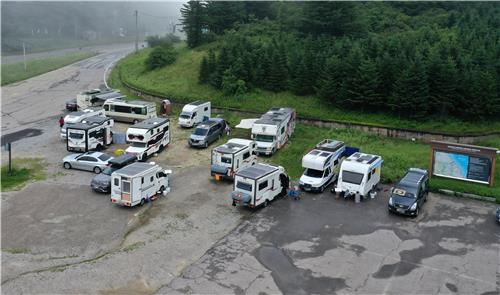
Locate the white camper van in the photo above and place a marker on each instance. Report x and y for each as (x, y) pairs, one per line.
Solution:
(129, 111)
(92, 133)
(258, 185)
(273, 129)
(359, 174)
(148, 137)
(194, 113)
(232, 156)
(139, 182)
(321, 165)
(78, 117)
(96, 97)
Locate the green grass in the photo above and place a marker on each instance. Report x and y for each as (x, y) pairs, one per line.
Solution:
(15, 72)
(23, 170)
(180, 82)
(398, 156)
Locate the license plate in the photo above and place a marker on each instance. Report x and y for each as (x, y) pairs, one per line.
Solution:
(400, 210)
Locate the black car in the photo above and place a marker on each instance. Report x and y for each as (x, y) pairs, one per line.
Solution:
(102, 181)
(71, 105)
(207, 132)
(498, 215)
(410, 193)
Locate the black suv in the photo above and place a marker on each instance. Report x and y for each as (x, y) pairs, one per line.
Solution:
(207, 132)
(410, 193)
(102, 181)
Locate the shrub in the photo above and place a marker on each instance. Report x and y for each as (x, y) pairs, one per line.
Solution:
(166, 40)
(159, 57)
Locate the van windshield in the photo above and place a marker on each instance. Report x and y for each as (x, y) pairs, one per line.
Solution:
(200, 131)
(108, 171)
(313, 173)
(75, 135)
(185, 115)
(139, 144)
(244, 186)
(264, 138)
(352, 177)
(402, 192)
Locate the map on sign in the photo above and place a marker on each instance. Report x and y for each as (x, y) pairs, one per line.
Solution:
(449, 164)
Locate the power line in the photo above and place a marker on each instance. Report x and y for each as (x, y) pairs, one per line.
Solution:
(163, 17)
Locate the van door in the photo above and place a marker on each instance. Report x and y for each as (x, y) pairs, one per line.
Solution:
(264, 190)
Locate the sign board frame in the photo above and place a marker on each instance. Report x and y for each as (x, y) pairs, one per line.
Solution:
(479, 160)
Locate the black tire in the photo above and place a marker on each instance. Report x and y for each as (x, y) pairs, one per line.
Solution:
(99, 147)
(97, 170)
(274, 150)
(161, 148)
(67, 165)
(162, 189)
(266, 203)
(142, 202)
(206, 144)
(322, 189)
(417, 211)
(144, 157)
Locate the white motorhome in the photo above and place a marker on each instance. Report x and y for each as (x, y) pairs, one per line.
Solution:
(148, 137)
(359, 174)
(96, 97)
(259, 185)
(194, 113)
(229, 158)
(138, 183)
(273, 129)
(93, 133)
(77, 117)
(129, 111)
(321, 165)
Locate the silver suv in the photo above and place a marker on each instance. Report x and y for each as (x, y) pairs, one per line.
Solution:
(207, 132)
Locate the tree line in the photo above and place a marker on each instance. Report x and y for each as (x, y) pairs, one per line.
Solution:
(414, 60)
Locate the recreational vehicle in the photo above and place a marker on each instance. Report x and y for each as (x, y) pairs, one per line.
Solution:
(194, 113)
(78, 117)
(359, 174)
(95, 97)
(148, 137)
(321, 165)
(139, 182)
(129, 111)
(229, 158)
(273, 129)
(259, 185)
(92, 133)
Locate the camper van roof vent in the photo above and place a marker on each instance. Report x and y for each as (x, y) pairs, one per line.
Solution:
(324, 154)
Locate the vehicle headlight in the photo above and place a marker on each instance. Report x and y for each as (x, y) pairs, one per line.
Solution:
(414, 206)
(390, 201)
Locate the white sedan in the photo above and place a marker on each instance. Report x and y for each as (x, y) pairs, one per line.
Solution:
(91, 161)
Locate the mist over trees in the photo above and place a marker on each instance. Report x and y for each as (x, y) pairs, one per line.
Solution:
(33, 21)
(414, 59)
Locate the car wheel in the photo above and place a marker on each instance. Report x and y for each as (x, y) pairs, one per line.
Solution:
(67, 165)
(161, 148)
(266, 203)
(97, 170)
(99, 147)
(274, 150)
(417, 211)
(206, 144)
(162, 189)
(144, 157)
(322, 189)
(142, 202)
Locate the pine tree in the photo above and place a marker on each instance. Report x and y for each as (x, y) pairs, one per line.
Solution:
(365, 94)
(193, 22)
(331, 79)
(204, 75)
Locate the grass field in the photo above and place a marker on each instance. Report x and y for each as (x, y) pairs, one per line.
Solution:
(15, 72)
(180, 82)
(23, 170)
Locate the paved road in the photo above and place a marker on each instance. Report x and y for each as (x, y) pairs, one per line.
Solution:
(325, 245)
(28, 103)
(9, 59)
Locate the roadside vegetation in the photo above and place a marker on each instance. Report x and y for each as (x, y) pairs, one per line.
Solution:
(23, 171)
(15, 72)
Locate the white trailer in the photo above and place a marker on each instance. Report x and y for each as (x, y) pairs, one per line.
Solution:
(359, 174)
(129, 111)
(148, 137)
(78, 117)
(259, 185)
(321, 165)
(94, 97)
(273, 129)
(93, 133)
(194, 113)
(138, 183)
(229, 158)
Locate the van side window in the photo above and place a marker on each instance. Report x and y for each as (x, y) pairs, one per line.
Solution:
(262, 185)
(283, 130)
(206, 109)
(142, 180)
(246, 155)
(151, 179)
(194, 115)
(165, 129)
(116, 181)
(369, 175)
(106, 107)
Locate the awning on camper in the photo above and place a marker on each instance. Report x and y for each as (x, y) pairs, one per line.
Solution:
(106, 96)
(246, 123)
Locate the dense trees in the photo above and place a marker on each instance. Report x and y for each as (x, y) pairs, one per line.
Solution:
(413, 60)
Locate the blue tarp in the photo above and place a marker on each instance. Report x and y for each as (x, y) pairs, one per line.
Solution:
(119, 138)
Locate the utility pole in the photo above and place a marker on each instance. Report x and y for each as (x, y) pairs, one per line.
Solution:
(136, 33)
(24, 56)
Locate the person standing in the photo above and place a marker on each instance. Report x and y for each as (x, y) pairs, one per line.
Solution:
(61, 122)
